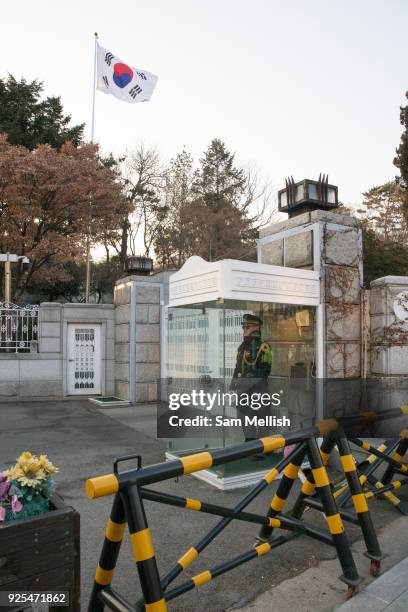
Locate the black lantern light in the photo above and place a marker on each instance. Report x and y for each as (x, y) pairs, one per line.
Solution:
(307, 195)
(136, 264)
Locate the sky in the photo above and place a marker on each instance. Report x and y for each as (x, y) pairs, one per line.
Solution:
(293, 87)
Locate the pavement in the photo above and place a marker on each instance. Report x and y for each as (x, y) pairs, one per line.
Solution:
(83, 440)
(318, 589)
(389, 592)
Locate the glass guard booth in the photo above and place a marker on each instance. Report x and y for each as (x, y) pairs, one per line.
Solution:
(207, 307)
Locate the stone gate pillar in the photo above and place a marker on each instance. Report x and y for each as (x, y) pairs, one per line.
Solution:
(139, 335)
(389, 326)
(332, 244)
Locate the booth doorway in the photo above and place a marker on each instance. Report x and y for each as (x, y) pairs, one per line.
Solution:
(84, 359)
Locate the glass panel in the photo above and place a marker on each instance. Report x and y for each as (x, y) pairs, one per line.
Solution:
(195, 359)
(312, 191)
(204, 344)
(331, 197)
(300, 192)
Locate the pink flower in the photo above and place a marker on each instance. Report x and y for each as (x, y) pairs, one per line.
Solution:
(16, 505)
(2, 514)
(3, 477)
(288, 449)
(4, 488)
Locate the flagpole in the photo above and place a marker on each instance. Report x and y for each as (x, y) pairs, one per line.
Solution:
(88, 237)
(94, 89)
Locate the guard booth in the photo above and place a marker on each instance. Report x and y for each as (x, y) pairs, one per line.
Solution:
(207, 303)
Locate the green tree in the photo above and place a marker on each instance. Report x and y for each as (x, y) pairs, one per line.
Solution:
(385, 212)
(218, 181)
(103, 277)
(62, 281)
(176, 240)
(224, 194)
(29, 120)
(382, 259)
(401, 159)
(385, 245)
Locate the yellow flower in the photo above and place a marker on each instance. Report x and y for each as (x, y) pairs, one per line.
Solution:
(13, 473)
(26, 456)
(31, 470)
(46, 465)
(32, 478)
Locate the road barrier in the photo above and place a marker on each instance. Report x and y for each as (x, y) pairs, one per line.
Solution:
(129, 489)
(391, 453)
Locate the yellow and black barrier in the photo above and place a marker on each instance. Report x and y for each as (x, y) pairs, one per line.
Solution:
(391, 453)
(130, 488)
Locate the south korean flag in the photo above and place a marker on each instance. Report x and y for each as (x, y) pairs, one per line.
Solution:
(121, 80)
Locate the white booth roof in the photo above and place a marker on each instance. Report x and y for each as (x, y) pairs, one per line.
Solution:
(203, 281)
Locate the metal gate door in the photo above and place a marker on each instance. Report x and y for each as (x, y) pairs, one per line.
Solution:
(84, 359)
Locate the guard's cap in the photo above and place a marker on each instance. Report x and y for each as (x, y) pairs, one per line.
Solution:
(250, 318)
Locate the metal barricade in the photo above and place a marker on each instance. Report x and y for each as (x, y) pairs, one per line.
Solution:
(130, 488)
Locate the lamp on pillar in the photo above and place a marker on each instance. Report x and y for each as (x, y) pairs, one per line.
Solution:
(307, 195)
(136, 264)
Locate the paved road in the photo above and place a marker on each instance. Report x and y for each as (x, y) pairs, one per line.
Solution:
(83, 442)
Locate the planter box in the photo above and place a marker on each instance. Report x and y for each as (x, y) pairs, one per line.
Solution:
(42, 553)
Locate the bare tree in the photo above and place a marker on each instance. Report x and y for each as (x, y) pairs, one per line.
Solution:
(143, 182)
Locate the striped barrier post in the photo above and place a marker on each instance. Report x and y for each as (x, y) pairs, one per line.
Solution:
(360, 505)
(333, 518)
(109, 555)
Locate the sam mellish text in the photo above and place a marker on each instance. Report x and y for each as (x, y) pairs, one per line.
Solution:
(222, 421)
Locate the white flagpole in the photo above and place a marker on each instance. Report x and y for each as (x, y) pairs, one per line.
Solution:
(88, 238)
(94, 89)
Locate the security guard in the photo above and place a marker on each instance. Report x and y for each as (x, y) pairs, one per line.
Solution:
(254, 361)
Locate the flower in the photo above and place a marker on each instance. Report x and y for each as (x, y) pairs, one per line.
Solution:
(28, 471)
(13, 473)
(16, 505)
(47, 466)
(26, 456)
(28, 480)
(32, 476)
(4, 489)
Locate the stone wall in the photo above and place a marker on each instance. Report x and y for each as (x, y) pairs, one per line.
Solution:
(389, 326)
(330, 243)
(42, 375)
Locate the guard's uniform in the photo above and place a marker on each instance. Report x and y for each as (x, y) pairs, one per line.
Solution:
(254, 359)
(253, 366)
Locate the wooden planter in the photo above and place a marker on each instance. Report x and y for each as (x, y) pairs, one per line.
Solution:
(42, 553)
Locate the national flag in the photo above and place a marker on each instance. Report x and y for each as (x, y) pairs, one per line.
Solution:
(121, 80)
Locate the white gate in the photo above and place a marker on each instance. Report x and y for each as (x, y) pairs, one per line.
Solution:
(84, 359)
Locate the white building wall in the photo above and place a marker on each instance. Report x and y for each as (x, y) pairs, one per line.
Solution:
(42, 376)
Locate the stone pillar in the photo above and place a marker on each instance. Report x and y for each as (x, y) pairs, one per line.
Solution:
(139, 301)
(389, 326)
(50, 327)
(122, 337)
(332, 244)
(147, 342)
